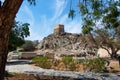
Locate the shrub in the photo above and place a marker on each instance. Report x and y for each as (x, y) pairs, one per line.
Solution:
(9, 74)
(43, 62)
(80, 61)
(67, 60)
(69, 63)
(28, 46)
(95, 65)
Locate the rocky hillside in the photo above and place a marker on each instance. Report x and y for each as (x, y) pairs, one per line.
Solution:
(66, 42)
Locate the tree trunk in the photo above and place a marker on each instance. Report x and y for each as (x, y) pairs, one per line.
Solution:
(114, 55)
(8, 12)
(3, 52)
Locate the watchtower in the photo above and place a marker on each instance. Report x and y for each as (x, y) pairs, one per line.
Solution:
(59, 29)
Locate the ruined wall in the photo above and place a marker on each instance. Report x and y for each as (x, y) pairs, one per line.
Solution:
(59, 29)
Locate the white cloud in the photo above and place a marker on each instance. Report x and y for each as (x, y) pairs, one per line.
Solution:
(73, 27)
(63, 19)
(41, 29)
(30, 15)
(25, 15)
(34, 36)
(59, 7)
(29, 18)
(45, 23)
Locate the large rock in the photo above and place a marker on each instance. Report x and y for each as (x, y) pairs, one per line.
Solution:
(66, 43)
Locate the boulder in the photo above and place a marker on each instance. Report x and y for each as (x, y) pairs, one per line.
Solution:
(67, 43)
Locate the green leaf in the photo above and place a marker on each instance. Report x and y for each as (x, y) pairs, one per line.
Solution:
(71, 14)
(18, 33)
(83, 9)
(32, 2)
(86, 29)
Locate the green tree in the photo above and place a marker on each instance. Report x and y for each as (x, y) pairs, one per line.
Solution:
(101, 20)
(18, 33)
(8, 11)
(28, 46)
(35, 42)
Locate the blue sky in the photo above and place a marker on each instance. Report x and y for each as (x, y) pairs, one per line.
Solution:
(45, 15)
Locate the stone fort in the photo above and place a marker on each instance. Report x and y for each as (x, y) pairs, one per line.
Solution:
(59, 29)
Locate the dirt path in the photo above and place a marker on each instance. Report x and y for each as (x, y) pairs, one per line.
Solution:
(22, 66)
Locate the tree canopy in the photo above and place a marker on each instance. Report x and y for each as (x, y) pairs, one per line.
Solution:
(18, 33)
(101, 19)
(107, 12)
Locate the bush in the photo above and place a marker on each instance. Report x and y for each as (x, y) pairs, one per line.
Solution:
(67, 60)
(9, 74)
(95, 65)
(43, 62)
(80, 61)
(28, 46)
(69, 63)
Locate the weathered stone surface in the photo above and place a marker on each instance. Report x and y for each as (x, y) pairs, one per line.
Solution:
(24, 67)
(59, 29)
(66, 43)
(28, 55)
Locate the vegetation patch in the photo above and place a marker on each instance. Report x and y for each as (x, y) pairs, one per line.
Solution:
(69, 64)
(10, 74)
(43, 62)
(95, 65)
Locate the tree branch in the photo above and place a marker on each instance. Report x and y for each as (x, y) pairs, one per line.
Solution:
(106, 49)
(117, 50)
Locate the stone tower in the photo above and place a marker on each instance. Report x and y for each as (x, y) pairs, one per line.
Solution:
(59, 29)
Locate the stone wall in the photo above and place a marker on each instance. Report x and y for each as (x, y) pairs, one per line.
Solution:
(28, 55)
(59, 29)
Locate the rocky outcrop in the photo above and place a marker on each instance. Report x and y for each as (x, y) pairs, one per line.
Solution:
(55, 41)
(66, 42)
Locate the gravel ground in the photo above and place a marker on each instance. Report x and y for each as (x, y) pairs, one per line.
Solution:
(22, 66)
